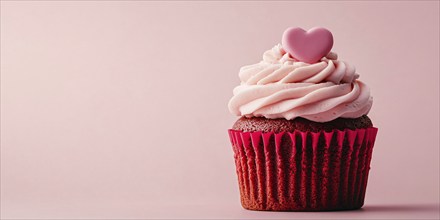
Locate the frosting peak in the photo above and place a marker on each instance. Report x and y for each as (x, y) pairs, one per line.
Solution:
(278, 67)
(282, 87)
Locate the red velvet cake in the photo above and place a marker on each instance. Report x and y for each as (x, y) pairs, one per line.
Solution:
(304, 141)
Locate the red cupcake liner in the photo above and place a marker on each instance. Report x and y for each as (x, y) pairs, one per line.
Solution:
(303, 171)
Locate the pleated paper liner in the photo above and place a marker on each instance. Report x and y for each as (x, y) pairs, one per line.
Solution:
(303, 171)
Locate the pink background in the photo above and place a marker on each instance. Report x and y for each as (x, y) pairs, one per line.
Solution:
(119, 109)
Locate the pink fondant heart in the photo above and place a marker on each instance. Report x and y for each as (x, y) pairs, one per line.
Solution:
(307, 46)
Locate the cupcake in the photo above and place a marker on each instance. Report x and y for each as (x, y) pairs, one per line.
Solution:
(303, 141)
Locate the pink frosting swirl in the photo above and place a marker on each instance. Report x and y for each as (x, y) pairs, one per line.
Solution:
(281, 87)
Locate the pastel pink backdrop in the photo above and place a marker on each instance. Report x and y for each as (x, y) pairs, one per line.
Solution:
(119, 109)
